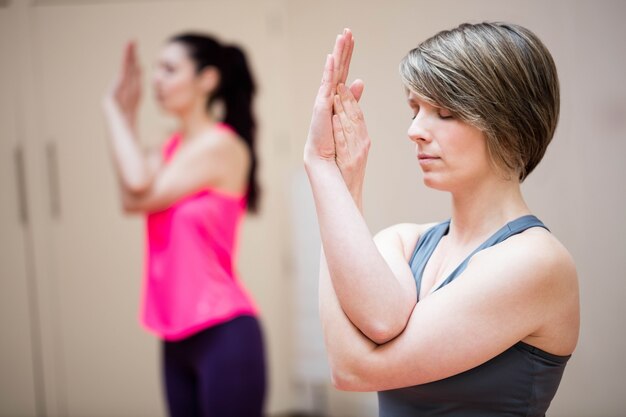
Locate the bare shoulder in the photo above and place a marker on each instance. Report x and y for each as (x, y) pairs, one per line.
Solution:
(224, 144)
(405, 235)
(537, 275)
(217, 158)
(538, 252)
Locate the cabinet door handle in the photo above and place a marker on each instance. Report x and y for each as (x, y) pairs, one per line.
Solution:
(20, 176)
(54, 188)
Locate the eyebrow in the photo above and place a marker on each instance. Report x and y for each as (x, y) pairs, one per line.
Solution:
(164, 61)
(412, 101)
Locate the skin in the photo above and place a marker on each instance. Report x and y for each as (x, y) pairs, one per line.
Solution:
(378, 334)
(207, 157)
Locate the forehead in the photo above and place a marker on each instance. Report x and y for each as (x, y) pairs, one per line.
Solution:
(174, 52)
(411, 96)
(416, 99)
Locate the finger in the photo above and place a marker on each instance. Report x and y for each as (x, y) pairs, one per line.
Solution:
(134, 82)
(341, 147)
(132, 69)
(337, 54)
(135, 67)
(350, 107)
(131, 52)
(136, 70)
(337, 105)
(356, 88)
(128, 59)
(326, 88)
(346, 123)
(352, 117)
(349, 104)
(133, 56)
(344, 52)
(346, 56)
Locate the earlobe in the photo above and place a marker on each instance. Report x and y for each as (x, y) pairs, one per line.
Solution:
(209, 79)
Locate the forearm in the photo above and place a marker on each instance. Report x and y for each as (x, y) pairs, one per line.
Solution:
(356, 191)
(346, 346)
(367, 290)
(129, 160)
(134, 203)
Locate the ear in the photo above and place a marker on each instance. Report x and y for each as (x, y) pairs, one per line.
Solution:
(209, 79)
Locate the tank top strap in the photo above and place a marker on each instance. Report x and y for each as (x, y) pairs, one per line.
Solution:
(424, 248)
(512, 228)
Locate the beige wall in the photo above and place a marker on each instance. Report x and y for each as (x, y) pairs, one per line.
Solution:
(576, 189)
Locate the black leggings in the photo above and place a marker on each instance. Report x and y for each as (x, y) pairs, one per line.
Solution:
(219, 372)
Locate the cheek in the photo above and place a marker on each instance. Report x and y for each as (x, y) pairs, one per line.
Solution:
(466, 146)
(476, 153)
(173, 86)
(179, 90)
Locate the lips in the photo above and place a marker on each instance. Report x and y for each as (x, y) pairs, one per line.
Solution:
(426, 157)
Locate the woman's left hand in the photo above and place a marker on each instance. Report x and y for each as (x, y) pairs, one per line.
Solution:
(352, 142)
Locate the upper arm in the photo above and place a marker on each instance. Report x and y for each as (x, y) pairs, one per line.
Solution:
(202, 164)
(154, 161)
(506, 293)
(396, 245)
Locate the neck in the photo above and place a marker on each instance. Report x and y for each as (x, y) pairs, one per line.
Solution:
(194, 122)
(480, 210)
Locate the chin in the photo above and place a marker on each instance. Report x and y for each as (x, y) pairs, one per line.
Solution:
(170, 110)
(433, 182)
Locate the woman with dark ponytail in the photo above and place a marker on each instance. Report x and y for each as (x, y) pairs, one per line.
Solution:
(194, 192)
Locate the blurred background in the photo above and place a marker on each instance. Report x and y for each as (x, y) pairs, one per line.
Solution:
(71, 261)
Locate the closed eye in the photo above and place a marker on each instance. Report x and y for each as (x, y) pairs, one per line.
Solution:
(445, 114)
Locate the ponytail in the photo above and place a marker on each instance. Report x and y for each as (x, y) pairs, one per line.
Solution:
(236, 91)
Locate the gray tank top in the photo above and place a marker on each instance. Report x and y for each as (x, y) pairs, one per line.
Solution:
(521, 381)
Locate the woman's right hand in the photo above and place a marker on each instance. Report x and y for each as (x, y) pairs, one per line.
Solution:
(125, 93)
(320, 145)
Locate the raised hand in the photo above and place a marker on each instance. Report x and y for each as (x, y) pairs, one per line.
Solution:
(342, 60)
(352, 142)
(126, 90)
(320, 144)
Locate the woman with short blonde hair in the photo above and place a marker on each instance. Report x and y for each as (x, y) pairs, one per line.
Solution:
(473, 316)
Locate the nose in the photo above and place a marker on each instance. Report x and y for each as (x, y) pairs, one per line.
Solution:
(156, 79)
(158, 76)
(418, 131)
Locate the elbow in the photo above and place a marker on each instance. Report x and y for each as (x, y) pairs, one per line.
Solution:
(381, 325)
(339, 382)
(344, 379)
(351, 371)
(136, 186)
(383, 332)
(133, 194)
(381, 335)
(130, 204)
(355, 377)
(129, 209)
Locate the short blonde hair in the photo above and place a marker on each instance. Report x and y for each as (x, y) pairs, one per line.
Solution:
(498, 77)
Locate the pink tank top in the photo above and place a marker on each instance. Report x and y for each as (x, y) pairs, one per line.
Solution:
(190, 278)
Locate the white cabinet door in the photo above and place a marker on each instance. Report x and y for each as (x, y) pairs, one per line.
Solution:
(18, 331)
(108, 366)
(105, 365)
